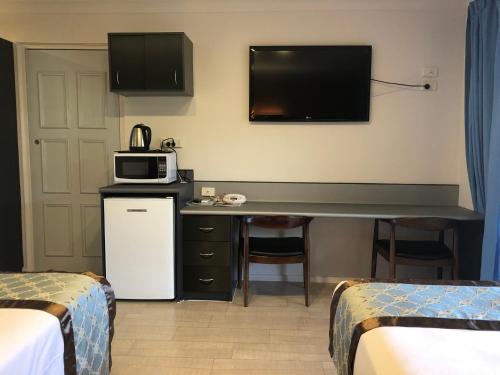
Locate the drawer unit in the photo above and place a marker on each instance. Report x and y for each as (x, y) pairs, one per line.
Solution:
(210, 256)
(207, 228)
(207, 279)
(204, 253)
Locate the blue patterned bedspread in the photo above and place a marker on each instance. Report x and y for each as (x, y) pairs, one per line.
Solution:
(362, 305)
(86, 301)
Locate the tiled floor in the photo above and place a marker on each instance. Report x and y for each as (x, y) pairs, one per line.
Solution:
(276, 334)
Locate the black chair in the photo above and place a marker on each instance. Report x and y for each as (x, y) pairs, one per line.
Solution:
(274, 250)
(417, 253)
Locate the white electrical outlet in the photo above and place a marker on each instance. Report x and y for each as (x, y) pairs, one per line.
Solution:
(433, 83)
(207, 191)
(178, 143)
(430, 72)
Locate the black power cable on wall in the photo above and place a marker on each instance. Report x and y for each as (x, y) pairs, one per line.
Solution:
(426, 86)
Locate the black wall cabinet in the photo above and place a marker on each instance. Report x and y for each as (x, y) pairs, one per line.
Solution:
(11, 253)
(142, 64)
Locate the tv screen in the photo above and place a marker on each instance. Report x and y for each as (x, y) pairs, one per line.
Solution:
(310, 83)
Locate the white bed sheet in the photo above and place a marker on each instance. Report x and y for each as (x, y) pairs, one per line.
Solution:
(429, 351)
(31, 342)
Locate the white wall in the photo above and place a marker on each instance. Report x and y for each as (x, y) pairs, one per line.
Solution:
(413, 136)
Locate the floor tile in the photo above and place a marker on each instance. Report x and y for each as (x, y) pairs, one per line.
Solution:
(277, 334)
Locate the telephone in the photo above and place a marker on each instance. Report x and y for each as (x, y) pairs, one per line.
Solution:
(234, 199)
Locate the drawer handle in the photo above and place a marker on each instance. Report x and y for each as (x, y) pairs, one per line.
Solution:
(206, 230)
(206, 281)
(207, 255)
(137, 210)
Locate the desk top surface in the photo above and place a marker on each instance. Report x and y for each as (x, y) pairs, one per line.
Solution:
(341, 210)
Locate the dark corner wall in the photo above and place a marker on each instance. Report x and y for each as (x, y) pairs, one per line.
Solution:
(11, 254)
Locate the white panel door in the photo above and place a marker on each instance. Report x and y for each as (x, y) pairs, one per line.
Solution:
(139, 235)
(74, 128)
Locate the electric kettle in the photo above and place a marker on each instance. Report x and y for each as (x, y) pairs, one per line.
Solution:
(140, 138)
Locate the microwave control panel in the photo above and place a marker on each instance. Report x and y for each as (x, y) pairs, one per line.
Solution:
(162, 167)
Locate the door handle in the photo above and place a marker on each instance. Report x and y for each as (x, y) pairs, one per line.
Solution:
(207, 255)
(175, 76)
(206, 281)
(206, 230)
(137, 210)
(118, 77)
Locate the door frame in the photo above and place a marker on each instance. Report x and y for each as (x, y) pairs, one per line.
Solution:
(23, 137)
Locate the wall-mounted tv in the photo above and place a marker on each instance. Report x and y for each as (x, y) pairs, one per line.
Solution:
(310, 83)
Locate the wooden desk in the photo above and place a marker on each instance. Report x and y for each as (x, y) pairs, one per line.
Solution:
(470, 223)
(336, 210)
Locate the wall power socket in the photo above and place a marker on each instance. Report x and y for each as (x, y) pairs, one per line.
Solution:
(177, 142)
(207, 191)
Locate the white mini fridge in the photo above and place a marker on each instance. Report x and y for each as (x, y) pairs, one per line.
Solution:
(139, 245)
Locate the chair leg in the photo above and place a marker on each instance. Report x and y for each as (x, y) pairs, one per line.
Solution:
(304, 272)
(240, 270)
(306, 281)
(374, 250)
(456, 268)
(440, 273)
(246, 278)
(246, 262)
(392, 252)
(392, 269)
(374, 262)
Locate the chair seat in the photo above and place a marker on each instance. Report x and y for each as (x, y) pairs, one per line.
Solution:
(276, 247)
(421, 250)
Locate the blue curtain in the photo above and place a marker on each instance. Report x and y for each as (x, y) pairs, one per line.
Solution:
(482, 123)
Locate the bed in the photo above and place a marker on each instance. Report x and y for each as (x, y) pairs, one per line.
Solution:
(413, 327)
(55, 323)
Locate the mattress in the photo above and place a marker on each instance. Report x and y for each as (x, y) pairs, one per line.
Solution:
(30, 343)
(412, 327)
(427, 351)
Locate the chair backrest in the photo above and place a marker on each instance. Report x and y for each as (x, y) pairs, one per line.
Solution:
(425, 223)
(278, 222)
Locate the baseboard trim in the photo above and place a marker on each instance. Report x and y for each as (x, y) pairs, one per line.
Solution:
(297, 278)
(328, 279)
(271, 277)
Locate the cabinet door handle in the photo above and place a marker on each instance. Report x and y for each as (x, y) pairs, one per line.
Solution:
(207, 255)
(206, 230)
(206, 281)
(175, 76)
(118, 78)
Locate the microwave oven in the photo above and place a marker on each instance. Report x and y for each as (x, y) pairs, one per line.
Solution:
(145, 168)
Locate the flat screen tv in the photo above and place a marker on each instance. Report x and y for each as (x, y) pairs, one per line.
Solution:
(310, 83)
